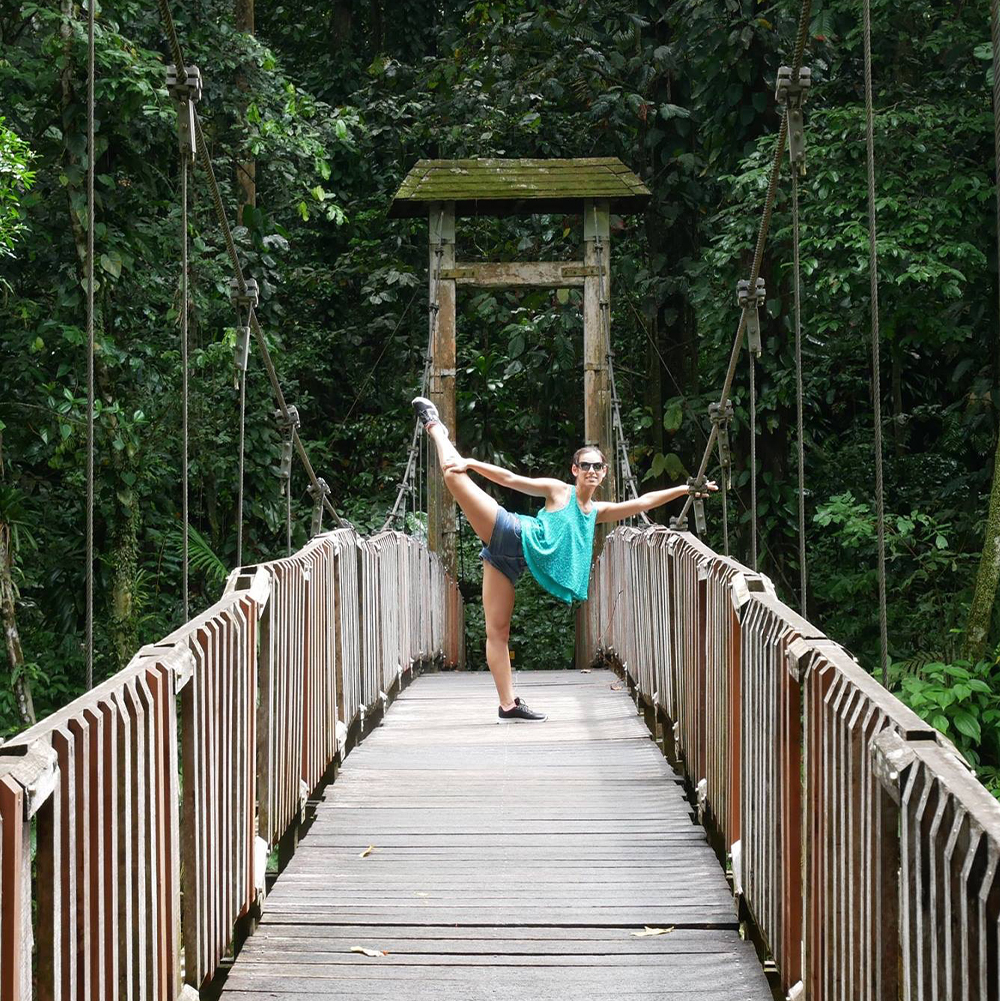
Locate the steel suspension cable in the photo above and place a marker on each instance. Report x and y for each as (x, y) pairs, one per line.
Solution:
(220, 213)
(725, 514)
(434, 309)
(91, 401)
(875, 346)
(697, 424)
(184, 382)
(995, 38)
(617, 427)
(242, 466)
(753, 462)
(288, 515)
(799, 403)
(762, 233)
(259, 339)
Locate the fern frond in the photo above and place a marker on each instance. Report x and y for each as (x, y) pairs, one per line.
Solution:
(201, 556)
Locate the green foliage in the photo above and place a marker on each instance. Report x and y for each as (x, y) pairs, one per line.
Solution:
(16, 178)
(962, 700)
(925, 574)
(335, 105)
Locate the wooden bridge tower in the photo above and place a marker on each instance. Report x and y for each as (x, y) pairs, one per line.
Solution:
(444, 190)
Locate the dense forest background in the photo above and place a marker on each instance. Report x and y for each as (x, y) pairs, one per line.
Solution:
(326, 106)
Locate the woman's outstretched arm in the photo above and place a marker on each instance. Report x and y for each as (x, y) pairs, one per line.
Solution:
(534, 486)
(607, 512)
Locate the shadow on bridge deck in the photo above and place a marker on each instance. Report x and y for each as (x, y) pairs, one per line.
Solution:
(508, 862)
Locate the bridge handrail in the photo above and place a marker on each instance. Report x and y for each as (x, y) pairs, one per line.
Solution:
(862, 846)
(153, 826)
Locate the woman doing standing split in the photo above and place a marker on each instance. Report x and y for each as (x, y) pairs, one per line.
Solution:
(556, 546)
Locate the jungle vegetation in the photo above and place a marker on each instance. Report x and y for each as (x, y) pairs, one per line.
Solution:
(315, 111)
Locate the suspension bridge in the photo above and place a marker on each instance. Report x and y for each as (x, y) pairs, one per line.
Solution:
(287, 796)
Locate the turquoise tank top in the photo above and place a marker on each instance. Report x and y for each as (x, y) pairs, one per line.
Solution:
(558, 546)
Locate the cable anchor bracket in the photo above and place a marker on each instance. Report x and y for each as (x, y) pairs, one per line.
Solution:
(185, 94)
(722, 420)
(698, 492)
(244, 301)
(319, 491)
(287, 426)
(793, 94)
(751, 305)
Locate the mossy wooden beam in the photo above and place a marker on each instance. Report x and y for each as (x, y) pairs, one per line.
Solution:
(504, 187)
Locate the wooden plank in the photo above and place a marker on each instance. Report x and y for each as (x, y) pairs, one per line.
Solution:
(15, 893)
(539, 274)
(540, 848)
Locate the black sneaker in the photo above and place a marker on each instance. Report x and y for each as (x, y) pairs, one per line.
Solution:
(520, 714)
(427, 413)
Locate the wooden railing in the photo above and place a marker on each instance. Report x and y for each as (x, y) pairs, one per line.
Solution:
(136, 823)
(863, 848)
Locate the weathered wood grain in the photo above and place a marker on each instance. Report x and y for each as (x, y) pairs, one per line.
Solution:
(509, 861)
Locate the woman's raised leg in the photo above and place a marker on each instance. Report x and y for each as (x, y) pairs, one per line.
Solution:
(498, 603)
(477, 505)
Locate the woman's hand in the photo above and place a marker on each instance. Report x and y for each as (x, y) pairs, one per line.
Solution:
(456, 464)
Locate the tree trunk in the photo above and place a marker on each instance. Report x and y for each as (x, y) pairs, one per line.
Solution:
(341, 24)
(376, 19)
(981, 613)
(12, 638)
(246, 171)
(977, 633)
(898, 438)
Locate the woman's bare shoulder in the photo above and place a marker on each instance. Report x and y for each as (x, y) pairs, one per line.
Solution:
(560, 495)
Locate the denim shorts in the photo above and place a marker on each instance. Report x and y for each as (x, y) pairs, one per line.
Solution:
(504, 551)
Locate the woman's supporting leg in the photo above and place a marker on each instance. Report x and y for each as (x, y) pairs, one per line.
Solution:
(477, 505)
(498, 603)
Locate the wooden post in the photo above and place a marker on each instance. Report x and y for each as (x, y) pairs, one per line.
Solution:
(596, 383)
(441, 515)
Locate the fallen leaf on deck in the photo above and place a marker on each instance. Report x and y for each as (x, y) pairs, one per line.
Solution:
(647, 931)
(367, 851)
(585, 670)
(367, 952)
(617, 688)
(416, 894)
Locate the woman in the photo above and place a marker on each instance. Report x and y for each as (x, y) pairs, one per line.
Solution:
(556, 546)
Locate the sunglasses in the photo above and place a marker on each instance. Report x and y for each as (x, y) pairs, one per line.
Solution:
(596, 466)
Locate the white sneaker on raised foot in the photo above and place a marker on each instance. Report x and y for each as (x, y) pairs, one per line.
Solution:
(520, 713)
(427, 413)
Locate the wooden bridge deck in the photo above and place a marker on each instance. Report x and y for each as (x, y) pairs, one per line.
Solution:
(508, 862)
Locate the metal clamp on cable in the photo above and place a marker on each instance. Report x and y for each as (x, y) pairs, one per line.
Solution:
(696, 488)
(285, 463)
(679, 524)
(319, 491)
(186, 94)
(793, 95)
(751, 304)
(287, 426)
(244, 302)
(722, 419)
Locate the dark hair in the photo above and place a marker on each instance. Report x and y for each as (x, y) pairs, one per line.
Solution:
(588, 448)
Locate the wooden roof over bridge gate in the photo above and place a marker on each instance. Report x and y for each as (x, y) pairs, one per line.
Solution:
(492, 187)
